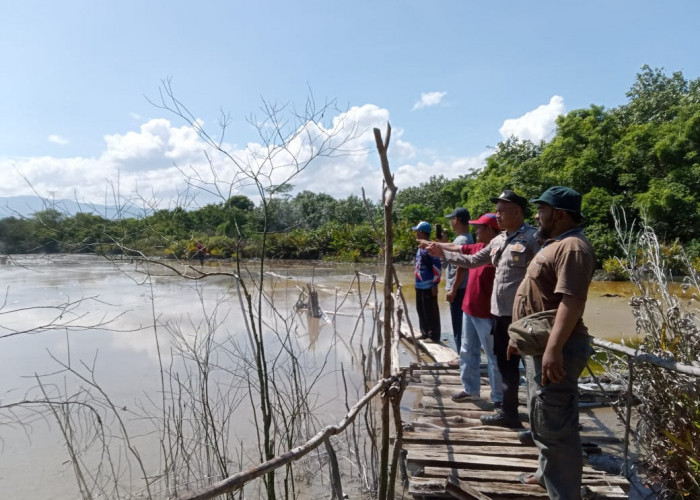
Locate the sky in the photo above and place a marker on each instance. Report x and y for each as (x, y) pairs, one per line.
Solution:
(81, 81)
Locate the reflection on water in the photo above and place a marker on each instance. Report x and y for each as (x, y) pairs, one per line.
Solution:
(168, 320)
(165, 321)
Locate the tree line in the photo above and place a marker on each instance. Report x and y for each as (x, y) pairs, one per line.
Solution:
(643, 156)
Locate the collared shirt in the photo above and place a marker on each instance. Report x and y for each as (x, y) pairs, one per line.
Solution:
(510, 255)
(565, 265)
(451, 269)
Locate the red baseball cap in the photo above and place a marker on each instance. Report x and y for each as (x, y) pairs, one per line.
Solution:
(486, 220)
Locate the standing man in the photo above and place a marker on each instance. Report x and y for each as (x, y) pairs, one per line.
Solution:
(427, 273)
(201, 252)
(455, 276)
(478, 322)
(509, 252)
(557, 278)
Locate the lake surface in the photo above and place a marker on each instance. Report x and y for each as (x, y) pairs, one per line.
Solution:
(125, 326)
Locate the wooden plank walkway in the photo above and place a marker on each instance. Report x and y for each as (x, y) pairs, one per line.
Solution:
(449, 454)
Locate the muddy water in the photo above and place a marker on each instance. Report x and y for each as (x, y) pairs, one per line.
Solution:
(119, 325)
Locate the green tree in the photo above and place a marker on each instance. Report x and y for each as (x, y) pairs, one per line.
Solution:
(671, 209)
(240, 202)
(654, 96)
(352, 210)
(513, 165)
(84, 232)
(430, 195)
(414, 213)
(48, 230)
(18, 235)
(579, 155)
(312, 210)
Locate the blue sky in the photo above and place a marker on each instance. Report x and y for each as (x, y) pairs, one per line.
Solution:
(453, 77)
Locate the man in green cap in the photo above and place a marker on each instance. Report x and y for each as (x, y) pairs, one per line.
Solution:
(557, 278)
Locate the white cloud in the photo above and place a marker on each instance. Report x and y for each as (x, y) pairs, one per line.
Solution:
(535, 125)
(429, 99)
(57, 139)
(414, 174)
(161, 161)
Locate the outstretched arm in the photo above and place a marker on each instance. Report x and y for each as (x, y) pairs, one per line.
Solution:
(435, 248)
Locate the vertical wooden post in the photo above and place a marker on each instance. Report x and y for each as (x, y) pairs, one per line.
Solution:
(388, 194)
(336, 485)
(628, 415)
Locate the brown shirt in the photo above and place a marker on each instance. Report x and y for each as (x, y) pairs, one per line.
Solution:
(565, 265)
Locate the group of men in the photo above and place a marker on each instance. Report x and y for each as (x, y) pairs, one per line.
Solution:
(516, 270)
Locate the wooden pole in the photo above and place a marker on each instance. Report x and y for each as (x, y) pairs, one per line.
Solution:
(388, 194)
(645, 357)
(628, 416)
(237, 481)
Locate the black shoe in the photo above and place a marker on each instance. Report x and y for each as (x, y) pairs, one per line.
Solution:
(462, 396)
(500, 419)
(525, 437)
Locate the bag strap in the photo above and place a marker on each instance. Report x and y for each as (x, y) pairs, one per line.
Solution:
(510, 238)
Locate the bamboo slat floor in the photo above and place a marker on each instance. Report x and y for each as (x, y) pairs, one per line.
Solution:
(449, 454)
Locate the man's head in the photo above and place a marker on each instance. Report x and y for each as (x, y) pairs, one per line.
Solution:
(459, 220)
(510, 209)
(558, 210)
(422, 230)
(486, 228)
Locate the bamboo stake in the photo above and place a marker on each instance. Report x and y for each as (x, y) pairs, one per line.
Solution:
(237, 481)
(336, 485)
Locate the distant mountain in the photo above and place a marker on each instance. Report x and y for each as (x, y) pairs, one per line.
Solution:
(26, 206)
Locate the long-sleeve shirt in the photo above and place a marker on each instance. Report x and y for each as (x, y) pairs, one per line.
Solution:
(427, 271)
(510, 254)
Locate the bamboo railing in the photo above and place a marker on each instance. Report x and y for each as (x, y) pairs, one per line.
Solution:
(237, 481)
(634, 356)
(391, 386)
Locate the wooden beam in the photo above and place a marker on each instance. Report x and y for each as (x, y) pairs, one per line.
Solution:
(466, 460)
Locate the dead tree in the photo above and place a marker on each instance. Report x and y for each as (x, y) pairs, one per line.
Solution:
(388, 193)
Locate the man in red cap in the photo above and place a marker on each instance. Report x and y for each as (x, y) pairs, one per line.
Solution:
(509, 252)
(477, 320)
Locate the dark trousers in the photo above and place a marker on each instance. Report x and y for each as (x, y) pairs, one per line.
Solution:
(428, 313)
(509, 368)
(456, 316)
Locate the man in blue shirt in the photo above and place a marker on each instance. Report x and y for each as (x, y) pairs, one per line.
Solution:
(427, 273)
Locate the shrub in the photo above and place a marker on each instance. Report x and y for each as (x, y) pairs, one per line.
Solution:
(668, 428)
(404, 242)
(604, 241)
(220, 247)
(615, 269)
